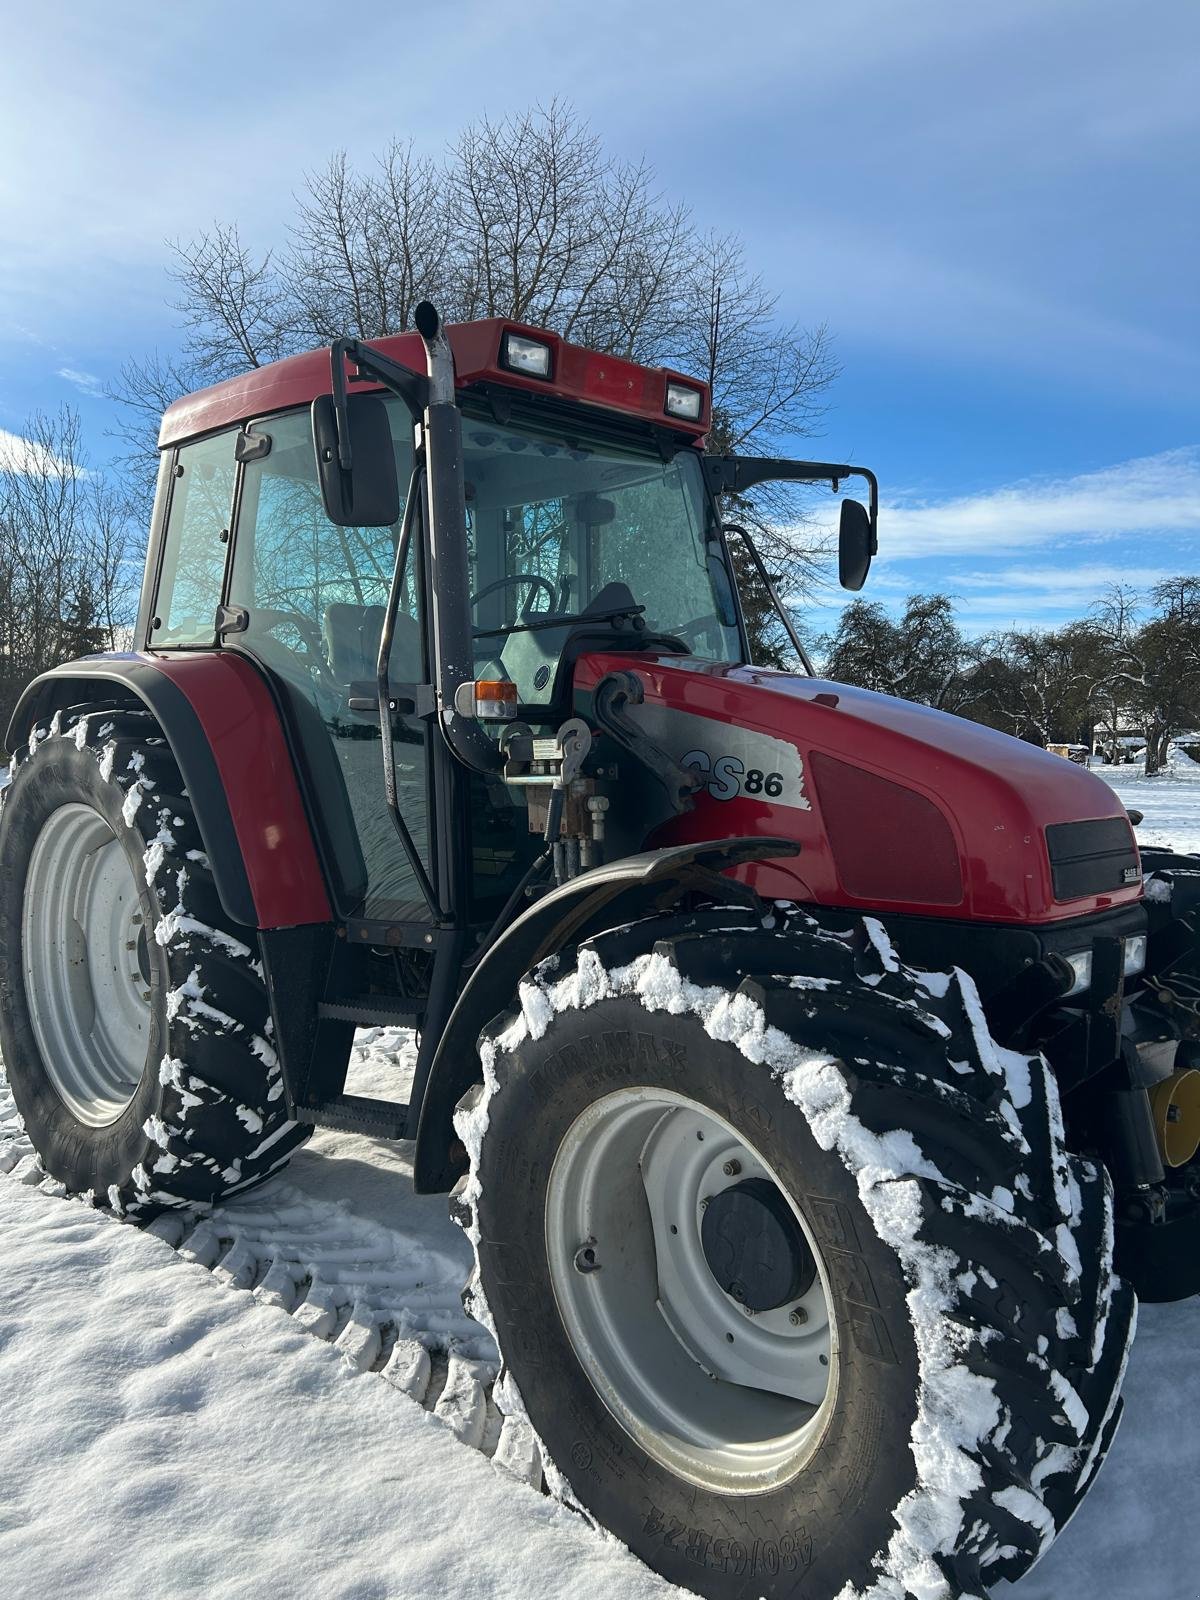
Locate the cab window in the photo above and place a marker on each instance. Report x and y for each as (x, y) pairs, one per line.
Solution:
(196, 543)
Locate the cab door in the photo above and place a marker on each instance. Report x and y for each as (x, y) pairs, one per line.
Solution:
(308, 600)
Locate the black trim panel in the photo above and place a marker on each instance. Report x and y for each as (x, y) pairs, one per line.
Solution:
(1091, 857)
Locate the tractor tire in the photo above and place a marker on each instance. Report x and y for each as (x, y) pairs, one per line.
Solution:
(134, 1020)
(696, 1118)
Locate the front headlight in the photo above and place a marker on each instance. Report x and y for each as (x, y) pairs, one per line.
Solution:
(1135, 955)
(1081, 963)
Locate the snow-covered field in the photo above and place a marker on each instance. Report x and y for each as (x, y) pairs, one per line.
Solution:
(286, 1396)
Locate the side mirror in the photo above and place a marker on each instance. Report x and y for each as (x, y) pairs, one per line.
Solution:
(856, 539)
(368, 494)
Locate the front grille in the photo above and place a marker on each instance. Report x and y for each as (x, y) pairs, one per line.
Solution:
(1091, 857)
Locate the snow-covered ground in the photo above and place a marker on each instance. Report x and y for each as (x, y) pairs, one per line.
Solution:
(292, 1399)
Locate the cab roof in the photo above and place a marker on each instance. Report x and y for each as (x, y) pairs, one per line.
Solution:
(576, 374)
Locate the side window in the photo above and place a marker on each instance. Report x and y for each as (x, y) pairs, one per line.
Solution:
(197, 535)
(313, 589)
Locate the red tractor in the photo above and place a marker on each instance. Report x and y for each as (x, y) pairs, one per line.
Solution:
(819, 1059)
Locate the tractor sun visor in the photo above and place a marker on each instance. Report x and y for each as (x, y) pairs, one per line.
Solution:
(530, 357)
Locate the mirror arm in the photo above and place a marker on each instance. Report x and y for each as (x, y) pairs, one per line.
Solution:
(780, 608)
(411, 386)
(738, 474)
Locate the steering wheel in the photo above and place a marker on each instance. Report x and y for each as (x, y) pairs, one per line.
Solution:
(689, 632)
(535, 581)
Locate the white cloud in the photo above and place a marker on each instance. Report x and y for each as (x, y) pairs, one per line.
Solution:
(86, 382)
(1153, 495)
(31, 459)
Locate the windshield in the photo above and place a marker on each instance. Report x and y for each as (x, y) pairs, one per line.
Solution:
(559, 526)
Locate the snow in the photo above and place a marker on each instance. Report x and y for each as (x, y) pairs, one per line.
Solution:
(165, 1429)
(1169, 801)
(161, 1433)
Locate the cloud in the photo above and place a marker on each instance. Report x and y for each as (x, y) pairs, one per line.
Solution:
(32, 460)
(1152, 495)
(86, 382)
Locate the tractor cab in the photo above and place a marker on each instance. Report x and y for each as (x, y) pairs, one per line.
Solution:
(377, 572)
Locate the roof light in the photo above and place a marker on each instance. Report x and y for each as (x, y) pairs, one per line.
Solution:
(489, 699)
(684, 402)
(528, 356)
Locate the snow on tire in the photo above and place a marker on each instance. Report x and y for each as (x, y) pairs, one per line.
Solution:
(134, 1018)
(977, 1335)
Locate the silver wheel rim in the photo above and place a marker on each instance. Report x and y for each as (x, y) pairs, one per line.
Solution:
(731, 1402)
(83, 945)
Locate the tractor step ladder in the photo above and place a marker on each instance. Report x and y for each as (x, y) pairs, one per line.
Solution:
(371, 1011)
(355, 1113)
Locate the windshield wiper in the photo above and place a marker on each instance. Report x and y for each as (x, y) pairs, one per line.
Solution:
(561, 621)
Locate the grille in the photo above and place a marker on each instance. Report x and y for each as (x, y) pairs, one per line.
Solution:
(1091, 857)
(888, 842)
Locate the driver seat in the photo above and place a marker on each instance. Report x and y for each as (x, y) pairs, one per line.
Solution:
(351, 635)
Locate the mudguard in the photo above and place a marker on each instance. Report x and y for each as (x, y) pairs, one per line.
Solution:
(224, 730)
(602, 898)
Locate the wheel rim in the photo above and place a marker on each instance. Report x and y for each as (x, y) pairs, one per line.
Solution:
(730, 1401)
(86, 965)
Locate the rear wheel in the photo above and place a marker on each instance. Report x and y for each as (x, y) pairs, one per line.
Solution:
(788, 1264)
(134, 1019)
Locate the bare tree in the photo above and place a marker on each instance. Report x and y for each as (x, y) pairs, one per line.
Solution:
(66, 587)
(528, 218)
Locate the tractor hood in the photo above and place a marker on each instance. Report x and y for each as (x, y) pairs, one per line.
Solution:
(896, 807)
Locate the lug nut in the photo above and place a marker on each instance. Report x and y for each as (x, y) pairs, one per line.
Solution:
(732, 1168)
(798, 1317)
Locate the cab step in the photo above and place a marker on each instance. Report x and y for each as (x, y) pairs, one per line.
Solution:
(371, 1011)
(355, 1113)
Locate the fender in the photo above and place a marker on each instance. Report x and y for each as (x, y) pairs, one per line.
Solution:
(223, 728)
(605, 897)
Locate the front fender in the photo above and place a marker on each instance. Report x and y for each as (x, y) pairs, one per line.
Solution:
(219, 718)
(605, 897)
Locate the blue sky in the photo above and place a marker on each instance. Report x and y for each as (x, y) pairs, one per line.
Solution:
(996, 209)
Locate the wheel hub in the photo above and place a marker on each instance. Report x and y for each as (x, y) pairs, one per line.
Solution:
(732, 1397)
(755, 1248)
(87, 964)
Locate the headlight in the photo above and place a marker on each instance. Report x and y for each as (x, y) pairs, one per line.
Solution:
(529, 356)
(684, 402)
(1135, 955)
(1081, 963)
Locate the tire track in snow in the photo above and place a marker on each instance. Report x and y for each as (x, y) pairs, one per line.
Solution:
(388, 1300)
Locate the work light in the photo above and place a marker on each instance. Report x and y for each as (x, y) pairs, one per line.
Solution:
(684, 402)
(528, 356)
(1081, 963)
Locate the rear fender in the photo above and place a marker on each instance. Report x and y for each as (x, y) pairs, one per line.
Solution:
(605, 897)
(222, 725)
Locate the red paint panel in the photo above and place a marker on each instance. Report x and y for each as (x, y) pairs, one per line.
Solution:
(243, 729)
(578, 374)
(995, 794)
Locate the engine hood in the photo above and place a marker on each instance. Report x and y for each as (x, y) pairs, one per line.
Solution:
(895, 806)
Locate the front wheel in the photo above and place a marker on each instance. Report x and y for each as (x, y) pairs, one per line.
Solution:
(134, 1019)
(791, 1274)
